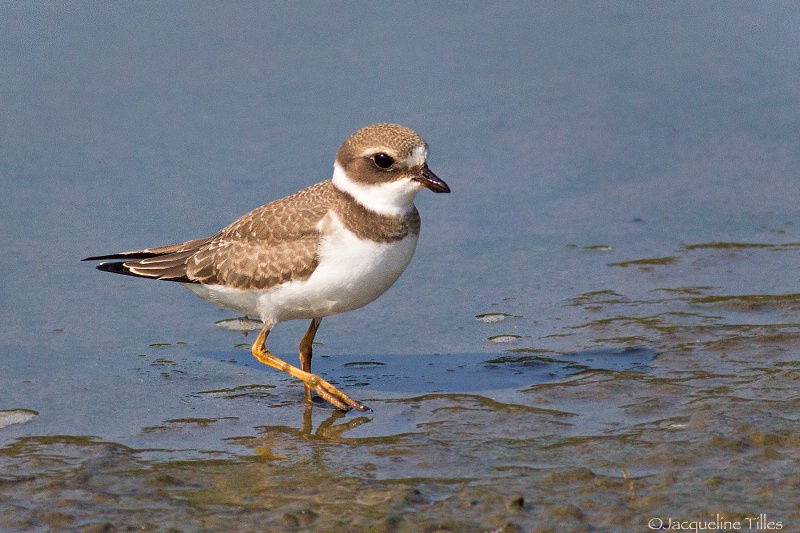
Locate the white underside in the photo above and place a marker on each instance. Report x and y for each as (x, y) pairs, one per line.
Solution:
(352, 273)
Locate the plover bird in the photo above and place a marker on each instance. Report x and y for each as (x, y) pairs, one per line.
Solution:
(327, 249)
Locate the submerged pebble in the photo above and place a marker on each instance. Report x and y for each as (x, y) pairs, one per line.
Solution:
(16, 416)
(242, 323)
(598, 248)
(492, 317)
(505, 339)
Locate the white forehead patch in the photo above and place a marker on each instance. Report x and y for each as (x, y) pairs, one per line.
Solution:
(418, 157)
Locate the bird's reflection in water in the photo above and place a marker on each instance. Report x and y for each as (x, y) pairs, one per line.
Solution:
(272, 441)
(328, 429)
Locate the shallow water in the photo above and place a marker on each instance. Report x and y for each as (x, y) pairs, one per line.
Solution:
(598, 332)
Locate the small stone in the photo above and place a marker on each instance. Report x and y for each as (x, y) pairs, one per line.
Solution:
(516, 503)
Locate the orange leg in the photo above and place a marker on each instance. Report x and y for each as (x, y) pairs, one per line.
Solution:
(327, 391)
(305, 352)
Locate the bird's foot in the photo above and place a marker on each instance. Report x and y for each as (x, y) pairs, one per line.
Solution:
(334, 396)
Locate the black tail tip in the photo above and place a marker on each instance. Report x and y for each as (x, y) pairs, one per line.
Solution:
(115, 268)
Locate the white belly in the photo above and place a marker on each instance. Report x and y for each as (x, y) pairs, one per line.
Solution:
(351, 273)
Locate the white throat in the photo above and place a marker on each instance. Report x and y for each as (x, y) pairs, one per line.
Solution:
(391, 198)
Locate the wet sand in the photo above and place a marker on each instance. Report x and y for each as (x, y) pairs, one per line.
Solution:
(692, 415)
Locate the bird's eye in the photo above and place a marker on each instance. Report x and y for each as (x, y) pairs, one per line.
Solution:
(383, 161)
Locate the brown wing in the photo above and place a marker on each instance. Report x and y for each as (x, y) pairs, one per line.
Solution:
(245, 264)
(274, 243)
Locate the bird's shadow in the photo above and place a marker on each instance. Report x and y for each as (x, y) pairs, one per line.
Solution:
(379, 379)
(391, 378)
(469, 373)
(449, 373)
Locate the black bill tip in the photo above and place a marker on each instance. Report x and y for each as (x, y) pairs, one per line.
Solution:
(431, 181)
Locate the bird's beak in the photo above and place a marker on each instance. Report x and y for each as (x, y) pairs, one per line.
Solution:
(430, 180)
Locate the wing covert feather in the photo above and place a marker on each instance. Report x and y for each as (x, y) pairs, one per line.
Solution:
(272, 244)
